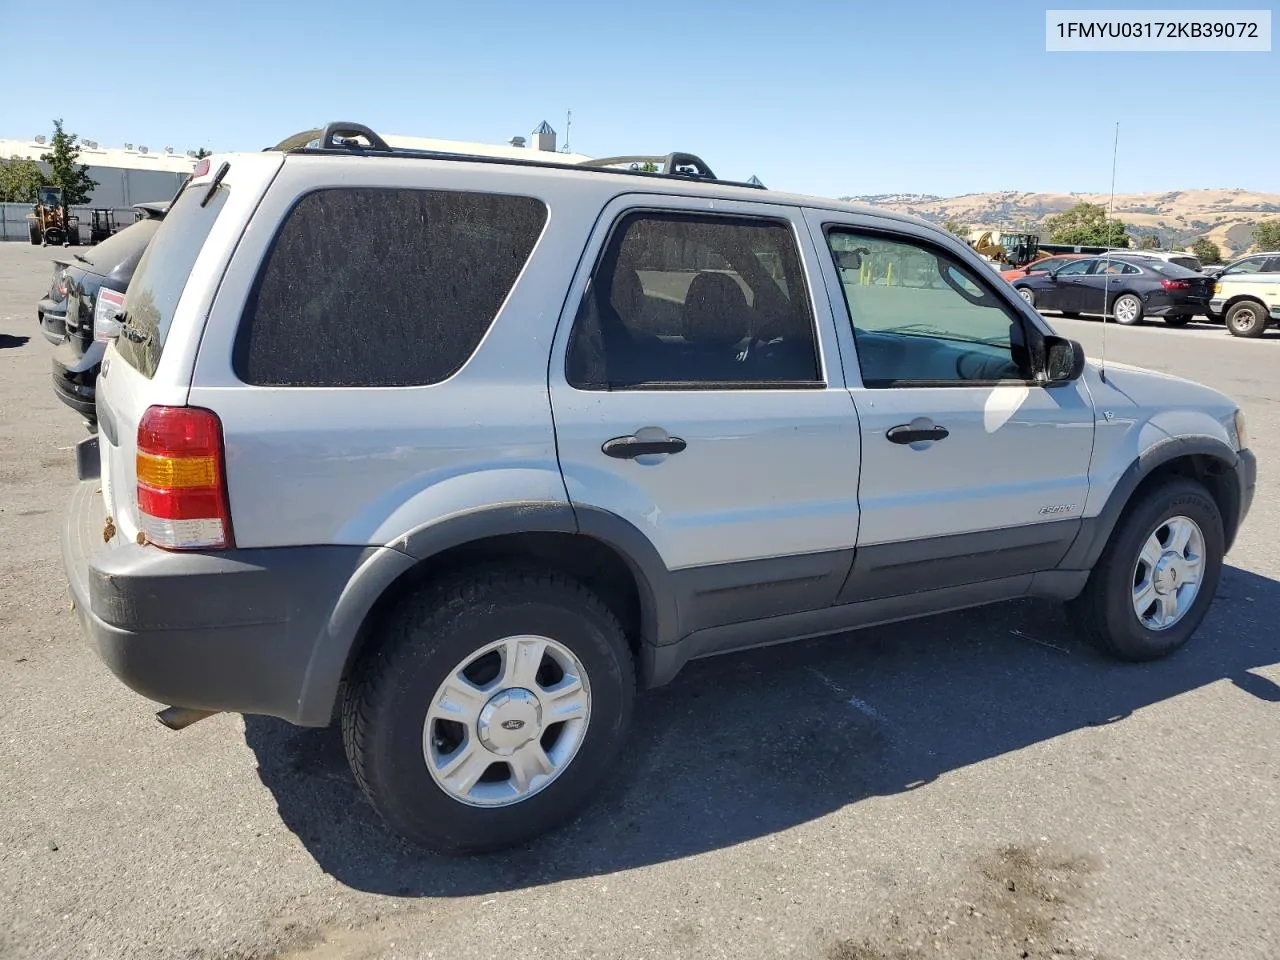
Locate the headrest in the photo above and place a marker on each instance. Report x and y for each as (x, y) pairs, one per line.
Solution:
(715, 310)
(626, 294)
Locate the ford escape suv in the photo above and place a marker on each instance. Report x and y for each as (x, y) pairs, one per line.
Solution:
(461, 452)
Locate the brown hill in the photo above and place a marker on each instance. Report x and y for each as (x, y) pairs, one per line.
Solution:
(1177, 217)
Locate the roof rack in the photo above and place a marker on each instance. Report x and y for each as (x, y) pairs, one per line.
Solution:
(685, 164)
(355, 138)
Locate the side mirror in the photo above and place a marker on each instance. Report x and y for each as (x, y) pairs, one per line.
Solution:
(1063, 360)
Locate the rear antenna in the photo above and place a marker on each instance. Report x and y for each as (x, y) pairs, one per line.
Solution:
(1111, 210)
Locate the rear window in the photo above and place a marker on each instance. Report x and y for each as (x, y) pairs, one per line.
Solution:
(1171, 270)
(1191, 263)
(124, 248)
(162, 274)
(378, 287)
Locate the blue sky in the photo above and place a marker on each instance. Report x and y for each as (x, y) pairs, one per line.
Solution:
(822, 97)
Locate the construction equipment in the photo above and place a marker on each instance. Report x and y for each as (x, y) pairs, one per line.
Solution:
(46, 223)
(102, 226)
(1006, 250)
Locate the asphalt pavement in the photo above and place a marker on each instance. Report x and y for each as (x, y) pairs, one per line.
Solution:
(975, 785)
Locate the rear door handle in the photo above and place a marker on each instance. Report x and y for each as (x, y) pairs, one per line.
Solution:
(906, 433)
(628, 448)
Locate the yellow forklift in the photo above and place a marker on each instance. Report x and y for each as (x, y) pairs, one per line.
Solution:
(47, 223)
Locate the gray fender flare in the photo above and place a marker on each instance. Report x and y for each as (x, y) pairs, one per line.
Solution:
(384, 565)
(1095, 532)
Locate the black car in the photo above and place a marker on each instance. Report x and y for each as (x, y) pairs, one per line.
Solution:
(1133, 288)
(78, 313)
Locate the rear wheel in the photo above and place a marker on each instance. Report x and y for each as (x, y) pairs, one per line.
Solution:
(1156, 578)
(1248, 318)
(494, 707)
(1027, 294)
(33, 232)
(1127, 310)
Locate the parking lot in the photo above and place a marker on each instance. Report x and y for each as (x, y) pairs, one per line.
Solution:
(978, 785)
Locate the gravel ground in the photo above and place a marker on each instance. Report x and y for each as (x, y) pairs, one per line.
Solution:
(974, 786)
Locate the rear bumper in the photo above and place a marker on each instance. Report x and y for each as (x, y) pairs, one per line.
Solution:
(1160, 307)
(75, 376)
(236, 630)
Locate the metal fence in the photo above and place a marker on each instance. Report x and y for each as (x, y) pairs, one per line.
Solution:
(13, 220)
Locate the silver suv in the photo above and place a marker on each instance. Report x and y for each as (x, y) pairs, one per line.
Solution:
(463, 451)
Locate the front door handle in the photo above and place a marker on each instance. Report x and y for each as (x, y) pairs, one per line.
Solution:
(907, 433)
(627, 448)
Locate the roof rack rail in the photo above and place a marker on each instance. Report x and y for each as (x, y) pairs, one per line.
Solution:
(345, 137)
(683, 164)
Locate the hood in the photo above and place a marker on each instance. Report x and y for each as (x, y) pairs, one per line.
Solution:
(1153, 389)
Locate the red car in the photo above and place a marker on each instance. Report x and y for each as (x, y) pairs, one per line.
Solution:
(1040, 266)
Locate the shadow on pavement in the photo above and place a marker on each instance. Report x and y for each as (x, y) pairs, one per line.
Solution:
(9, 340)
(745, 745)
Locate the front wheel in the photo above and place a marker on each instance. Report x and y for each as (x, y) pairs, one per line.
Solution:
(492, 709)
(1028, 295)
(1127, 310)
(1156, 578)
(1247, 319)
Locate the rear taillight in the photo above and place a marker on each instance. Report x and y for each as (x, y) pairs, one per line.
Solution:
(107, 306)
(1175, 284)
(60, 284)
(182, 479)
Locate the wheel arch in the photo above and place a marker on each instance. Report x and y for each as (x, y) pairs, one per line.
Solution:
(595, 546)
(1207, 460)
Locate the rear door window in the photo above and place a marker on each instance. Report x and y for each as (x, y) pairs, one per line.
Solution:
(162, 274)
(382, 287)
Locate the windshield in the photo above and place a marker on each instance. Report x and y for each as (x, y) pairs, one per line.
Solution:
(162, 275)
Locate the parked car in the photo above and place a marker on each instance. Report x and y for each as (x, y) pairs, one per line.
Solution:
(1188, 260)
(1132, 287)
(77, 314)
(1268, 262)
(461, 452)
(1043, 265)
(1248, 302)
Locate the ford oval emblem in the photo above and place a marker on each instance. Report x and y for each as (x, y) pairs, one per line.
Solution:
(512, 724)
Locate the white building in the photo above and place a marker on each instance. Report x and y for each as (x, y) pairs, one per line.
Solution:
(135, 173)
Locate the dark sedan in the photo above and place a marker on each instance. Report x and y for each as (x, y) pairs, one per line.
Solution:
(78, 314)
(1131, 287)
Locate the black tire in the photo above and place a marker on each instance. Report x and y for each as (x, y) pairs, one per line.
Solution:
(1027, 294)
(33, 233)
(1180, 320)
(428, 635)
(1137, 315)
(1248, 318)
(1104, 614)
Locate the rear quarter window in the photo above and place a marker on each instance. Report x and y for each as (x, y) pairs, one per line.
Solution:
(380, 287)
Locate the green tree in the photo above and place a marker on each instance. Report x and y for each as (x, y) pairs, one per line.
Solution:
(65, 171)
(955, 227)
(19, 179)
(1149, 241)
(1086, 224)
(201, 153)
(1266, 235)
(1206, 251)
